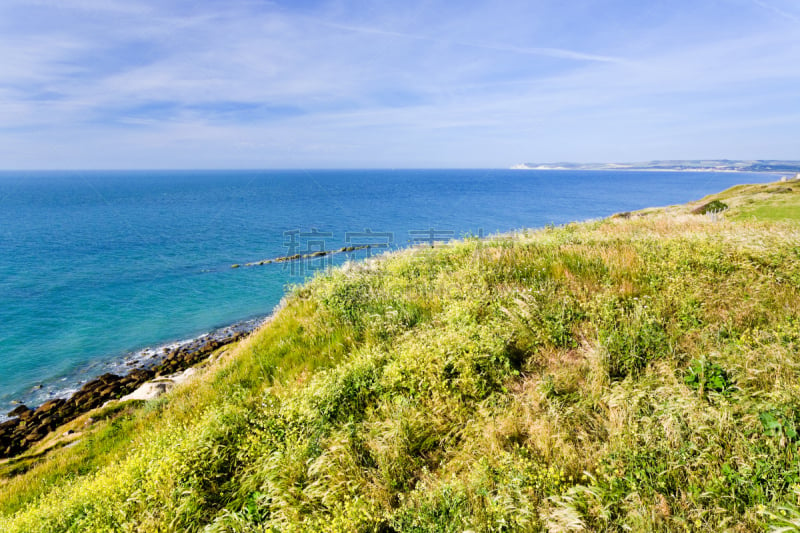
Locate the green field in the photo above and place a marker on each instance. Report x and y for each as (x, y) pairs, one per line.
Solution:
(639, 372)
(773, 201)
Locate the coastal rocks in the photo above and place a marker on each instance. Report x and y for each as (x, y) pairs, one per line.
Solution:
(106, 387)
(50, 405)
(297, 257)
(18, 434)
(20, 411)
(30, 426)
(193, 352)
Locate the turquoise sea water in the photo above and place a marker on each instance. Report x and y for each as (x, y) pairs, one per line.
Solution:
(95, 266)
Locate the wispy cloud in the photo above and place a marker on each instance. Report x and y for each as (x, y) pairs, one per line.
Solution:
(101, 83)
(535, 51)
(777, 10)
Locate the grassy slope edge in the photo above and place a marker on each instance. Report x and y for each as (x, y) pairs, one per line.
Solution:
(633, 373)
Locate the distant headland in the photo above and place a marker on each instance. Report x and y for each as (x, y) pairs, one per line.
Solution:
(699, 165)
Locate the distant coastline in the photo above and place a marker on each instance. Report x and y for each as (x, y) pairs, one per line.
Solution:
(705, 165)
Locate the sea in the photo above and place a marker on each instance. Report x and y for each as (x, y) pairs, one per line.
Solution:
(101, 269)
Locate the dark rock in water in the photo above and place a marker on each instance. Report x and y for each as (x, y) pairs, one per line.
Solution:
(19, 411)
(320, 253)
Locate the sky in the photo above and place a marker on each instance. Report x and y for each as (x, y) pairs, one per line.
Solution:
(127, 84)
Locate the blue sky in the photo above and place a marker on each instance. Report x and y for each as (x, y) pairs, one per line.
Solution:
(341, 84)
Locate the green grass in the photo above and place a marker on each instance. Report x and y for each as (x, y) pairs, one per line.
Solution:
(788, 209)
(637, 373)
(778, 201)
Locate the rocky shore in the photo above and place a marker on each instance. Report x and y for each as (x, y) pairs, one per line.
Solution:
(28, 426)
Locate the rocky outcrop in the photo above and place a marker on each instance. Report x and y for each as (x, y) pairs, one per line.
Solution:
(30, 426)
(313, 255)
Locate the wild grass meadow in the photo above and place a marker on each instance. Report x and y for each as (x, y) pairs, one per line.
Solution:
(634, 373)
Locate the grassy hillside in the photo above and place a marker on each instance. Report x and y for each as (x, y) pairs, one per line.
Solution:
(766, 201)
(639, 372)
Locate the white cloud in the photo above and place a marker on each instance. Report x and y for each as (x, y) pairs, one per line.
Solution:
(243, 85)
(536, 51)
(777, 10)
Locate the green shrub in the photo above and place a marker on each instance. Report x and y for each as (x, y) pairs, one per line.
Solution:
(704, 376)
(713, 206)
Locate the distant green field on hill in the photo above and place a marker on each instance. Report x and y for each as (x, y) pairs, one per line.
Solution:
(771, 201)
(636, 373)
